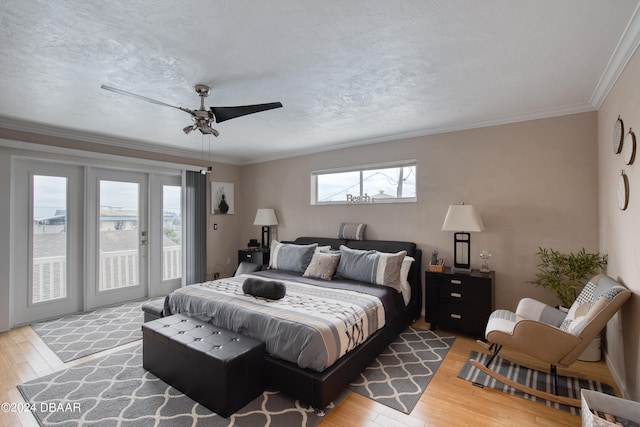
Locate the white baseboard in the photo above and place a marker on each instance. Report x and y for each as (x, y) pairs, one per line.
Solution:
(616, 376)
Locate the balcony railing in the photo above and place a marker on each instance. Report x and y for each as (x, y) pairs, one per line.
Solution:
(117, 270)
(49, 279)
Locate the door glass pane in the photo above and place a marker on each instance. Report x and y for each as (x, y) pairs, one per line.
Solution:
(118, 265)
(49, 239)
(172, 230)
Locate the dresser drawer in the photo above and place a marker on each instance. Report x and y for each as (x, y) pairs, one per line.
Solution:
(256, 257)
(251, 257)
(463, 318)
(464, 292)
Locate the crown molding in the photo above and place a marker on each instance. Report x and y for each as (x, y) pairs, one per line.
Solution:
(545, 114)
(145, 146)
(625, 49)
(94, 138)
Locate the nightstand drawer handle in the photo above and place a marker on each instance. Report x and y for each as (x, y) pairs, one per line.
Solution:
(456, 282)
(456, 295)
(248, 255)
(456, 316)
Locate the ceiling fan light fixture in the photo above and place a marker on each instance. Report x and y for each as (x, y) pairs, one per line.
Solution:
(188, 129)
(209, 169)
(206, 129)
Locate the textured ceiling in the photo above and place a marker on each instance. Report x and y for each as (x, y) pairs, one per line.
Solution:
(348, 72)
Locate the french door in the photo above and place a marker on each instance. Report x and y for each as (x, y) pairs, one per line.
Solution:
(83, 237)
(47, 241)
(117, 236)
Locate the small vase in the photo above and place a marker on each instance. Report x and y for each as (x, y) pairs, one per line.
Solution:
(223, 206)
(485, 255)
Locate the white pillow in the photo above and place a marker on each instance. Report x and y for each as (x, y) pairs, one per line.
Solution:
(405, 287)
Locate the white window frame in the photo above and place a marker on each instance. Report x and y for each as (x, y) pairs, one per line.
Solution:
(362, 198)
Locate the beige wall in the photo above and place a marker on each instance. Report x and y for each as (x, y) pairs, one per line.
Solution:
(222, 244)
(619, 230)
(534, 184)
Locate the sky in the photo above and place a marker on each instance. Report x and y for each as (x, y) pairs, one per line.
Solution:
(335, 186)
(50, 195)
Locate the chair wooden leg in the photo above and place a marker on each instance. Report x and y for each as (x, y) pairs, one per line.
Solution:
(493, 348)
(485, 345)
(554, 372)
(496, 350)
(529, 390)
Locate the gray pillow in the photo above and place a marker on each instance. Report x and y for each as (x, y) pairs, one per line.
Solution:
(264, 288)
(290, 257)
(375, 267)
(351, 231)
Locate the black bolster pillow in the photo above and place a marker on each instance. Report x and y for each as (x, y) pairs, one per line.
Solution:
(264, 288)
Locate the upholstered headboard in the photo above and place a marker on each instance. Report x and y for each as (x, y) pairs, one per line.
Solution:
(415, 273)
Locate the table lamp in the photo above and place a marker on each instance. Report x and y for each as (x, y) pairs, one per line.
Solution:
(462, 219)
(266, 218)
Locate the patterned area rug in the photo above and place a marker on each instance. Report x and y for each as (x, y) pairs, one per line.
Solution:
(567, 386)
(399, 376)
(79, 335)
(115, 390)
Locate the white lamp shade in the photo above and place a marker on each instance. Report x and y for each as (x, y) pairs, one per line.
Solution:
(462, 218)
(265, 217)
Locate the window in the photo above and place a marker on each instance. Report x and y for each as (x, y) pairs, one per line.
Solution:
(49, 239)
(119, 241)
(172, 230)
(381, 183)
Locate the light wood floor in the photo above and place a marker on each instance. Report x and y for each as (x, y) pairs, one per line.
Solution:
(448, 400)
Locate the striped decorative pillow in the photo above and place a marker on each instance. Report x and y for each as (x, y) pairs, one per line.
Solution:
(351, 231)
(286, 256)
(375, 267)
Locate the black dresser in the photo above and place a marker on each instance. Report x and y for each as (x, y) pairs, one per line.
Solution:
(260, 256)
(459, 301)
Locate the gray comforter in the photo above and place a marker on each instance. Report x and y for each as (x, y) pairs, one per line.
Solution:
(312, 326)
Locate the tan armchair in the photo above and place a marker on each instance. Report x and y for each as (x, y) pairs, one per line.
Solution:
(551, 335)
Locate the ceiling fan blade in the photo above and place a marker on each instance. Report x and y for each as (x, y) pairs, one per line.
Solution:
(228, 113)
(144, 98)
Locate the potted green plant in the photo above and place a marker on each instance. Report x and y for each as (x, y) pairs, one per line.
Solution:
(566, 274)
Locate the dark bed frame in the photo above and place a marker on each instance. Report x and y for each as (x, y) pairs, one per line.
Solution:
(319, 389)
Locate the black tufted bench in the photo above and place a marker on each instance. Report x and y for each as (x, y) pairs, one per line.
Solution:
(153, 309)
(218, 368)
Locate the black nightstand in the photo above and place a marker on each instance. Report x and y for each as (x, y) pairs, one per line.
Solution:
(260, 256)
(460, 301)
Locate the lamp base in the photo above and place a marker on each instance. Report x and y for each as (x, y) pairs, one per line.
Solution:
(461, 264)
(266, 235)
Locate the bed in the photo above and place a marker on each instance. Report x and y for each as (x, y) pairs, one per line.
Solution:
(309, 356)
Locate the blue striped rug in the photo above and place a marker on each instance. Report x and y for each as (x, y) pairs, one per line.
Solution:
(567, 386)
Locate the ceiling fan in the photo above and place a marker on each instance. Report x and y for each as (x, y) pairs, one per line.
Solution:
(202, 117)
